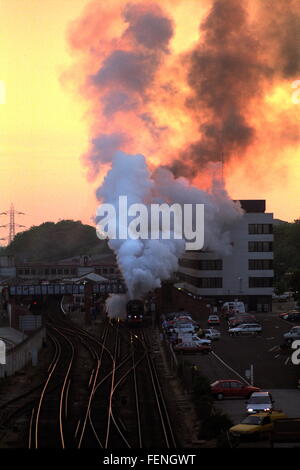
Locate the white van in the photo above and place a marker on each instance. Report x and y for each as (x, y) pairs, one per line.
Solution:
(237, 306)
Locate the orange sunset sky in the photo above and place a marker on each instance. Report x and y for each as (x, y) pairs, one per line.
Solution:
(44, 131)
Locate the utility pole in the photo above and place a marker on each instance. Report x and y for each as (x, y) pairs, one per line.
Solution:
(12, 223)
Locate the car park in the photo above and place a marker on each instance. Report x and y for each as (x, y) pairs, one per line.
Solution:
(294, 333)
(213, 320)
(256, 425)
(231, 389)
(246, 328)
(259, 401)
(212, 334)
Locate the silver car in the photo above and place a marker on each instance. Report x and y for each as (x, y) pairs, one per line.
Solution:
(294, 333)
(212, 333)
(245, 328)
(259, 401)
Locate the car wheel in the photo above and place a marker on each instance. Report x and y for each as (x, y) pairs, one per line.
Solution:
(220, 396)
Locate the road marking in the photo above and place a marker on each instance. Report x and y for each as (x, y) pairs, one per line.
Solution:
(274, 347)
(286, 362)
(277, 355)
(269, 339)
(230, 368)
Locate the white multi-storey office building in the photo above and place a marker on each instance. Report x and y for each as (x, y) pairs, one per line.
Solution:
(246, 274)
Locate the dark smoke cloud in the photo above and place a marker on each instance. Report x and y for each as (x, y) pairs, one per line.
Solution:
(102, 150)
(281, 34)
(115, 101)
(126, 75)
(231, 66)
(133, 71)
(150, 123)
(149, 26)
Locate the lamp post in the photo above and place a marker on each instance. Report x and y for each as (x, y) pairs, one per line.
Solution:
(240, 279)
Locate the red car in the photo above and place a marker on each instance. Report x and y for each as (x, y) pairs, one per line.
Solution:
(232, 389)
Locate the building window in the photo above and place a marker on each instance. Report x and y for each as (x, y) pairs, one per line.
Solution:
(33, 272)
(260, 282)
(204, 282)
(257, 264)
(111, 270)
(211, 283)
(26, 272)
(260, 229)
(66, 271)
(59, 271)
(202, 264)
(104, 270)
(73, 271)
(53, 271)
(20, 272)
(260, 246)
(46, 272)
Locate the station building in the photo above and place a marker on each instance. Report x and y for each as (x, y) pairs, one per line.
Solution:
(247, 274)
(70, 268)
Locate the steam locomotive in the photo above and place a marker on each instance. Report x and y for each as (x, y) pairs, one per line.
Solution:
(135, 312)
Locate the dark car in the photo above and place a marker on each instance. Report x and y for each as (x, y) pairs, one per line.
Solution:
(291, 316)
(232, 389)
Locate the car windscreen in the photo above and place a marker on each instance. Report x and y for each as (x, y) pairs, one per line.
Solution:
(253, 420)
(259, 400)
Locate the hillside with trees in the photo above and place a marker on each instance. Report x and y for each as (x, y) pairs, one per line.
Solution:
(54, 241)
(287, 256)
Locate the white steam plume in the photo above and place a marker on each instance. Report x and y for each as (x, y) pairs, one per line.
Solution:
(146, 263)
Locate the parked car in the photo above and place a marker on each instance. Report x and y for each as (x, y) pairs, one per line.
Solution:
(232, 389)
(246, 328)
(294, 333)
(212, 334)
(286, 432)
(293, 315)
(201, 340)
(256, 425)
(184, 328)
(192, 347)
(259, 401)
(240, 319)
(232, 308)
(282, 297)
(186, 338)
(213, 320)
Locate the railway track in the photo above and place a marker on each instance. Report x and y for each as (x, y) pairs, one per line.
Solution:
(98, 392)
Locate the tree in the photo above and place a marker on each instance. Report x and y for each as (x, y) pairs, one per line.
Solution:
(286, 252)
(53, 241)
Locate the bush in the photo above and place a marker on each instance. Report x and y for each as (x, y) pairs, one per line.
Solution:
(201, 386)
(215, 425)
